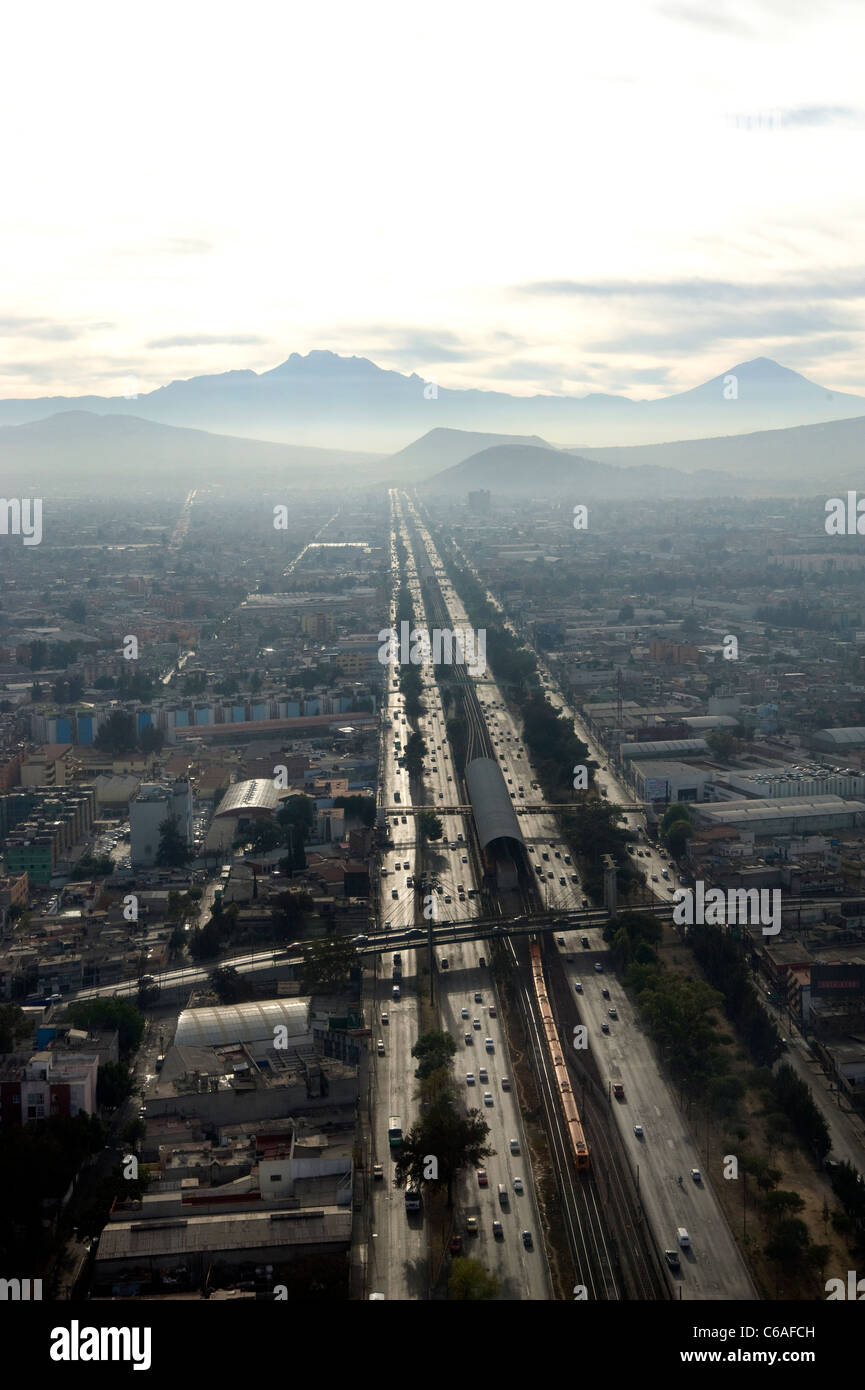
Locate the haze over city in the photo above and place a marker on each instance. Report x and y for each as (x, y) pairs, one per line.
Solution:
(432, 674)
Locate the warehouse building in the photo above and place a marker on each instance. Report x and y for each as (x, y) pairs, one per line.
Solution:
(805, 816)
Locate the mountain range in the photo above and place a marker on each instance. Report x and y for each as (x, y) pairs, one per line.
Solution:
(325, 400)
(804, 460)
(78, 452)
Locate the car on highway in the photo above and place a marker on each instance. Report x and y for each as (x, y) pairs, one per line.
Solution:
(456, 1245)
(488, 1044)
(385, 1018)
(488, 1098)
(472, 1225)
(483, 1180)
(514, 1146)
(612, 1012)
(638, 1130)
(578, 986)
(696, 1175)
(470, 1078)
(654, 878)
(478, 995)
(506, 1085)
(672, 1258)
(377, 1172)
(469, 1039)
(560, 941)
(605, 1027)
(605, 993)
(379, 1047)
(527, 1240)
(518, 1186)
(483, 1074)
(464, 1013)
(492, 1011)
(498, 1233)
(598, 967)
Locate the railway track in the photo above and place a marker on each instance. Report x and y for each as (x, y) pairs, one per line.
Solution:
(592, 1247)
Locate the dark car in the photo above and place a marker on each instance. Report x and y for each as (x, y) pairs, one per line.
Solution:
(527, 1240)
(497, 1230)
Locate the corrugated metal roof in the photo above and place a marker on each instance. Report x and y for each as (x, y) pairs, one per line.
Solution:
(729, 812)
(232, 1023)
(232, 1231)
(258, 794)
(493, 809)
(850, 738)
(664, 747)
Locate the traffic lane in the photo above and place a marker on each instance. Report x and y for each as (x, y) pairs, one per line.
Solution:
(401, 1274)
(523, 1272)
(667, 1149)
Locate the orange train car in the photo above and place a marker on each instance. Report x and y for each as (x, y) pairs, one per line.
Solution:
(579, 1147)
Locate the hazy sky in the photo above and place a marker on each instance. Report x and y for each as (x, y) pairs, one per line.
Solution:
(546, 197)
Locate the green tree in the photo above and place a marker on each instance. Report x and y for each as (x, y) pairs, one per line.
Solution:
(326, 963)
(415, 752)
(173, 851)
(206, 943)
(151, 740)
(116, 734)
(433, 1050)
(457, 1141)
(789, 1243)
(110, 1014)
(114, 1084)
(14, 1027)
(780, 1204)
(469, 1282)
(265, 836)
(430, 825)
(228, 985)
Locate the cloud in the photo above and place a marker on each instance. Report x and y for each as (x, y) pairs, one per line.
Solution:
(846, 285)
(184, 246)
(49, 370)
(679, 334)
(414, 345)
(209, 340)
(797, 118)
(820, 115)
(16, 326)
(527, 369)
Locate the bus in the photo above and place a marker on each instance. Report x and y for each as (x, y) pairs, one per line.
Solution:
(394, 1132)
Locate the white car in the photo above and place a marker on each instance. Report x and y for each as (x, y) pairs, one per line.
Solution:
(470, 1078)
(488, 1097)
(518, 1185)
(464, 1013)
